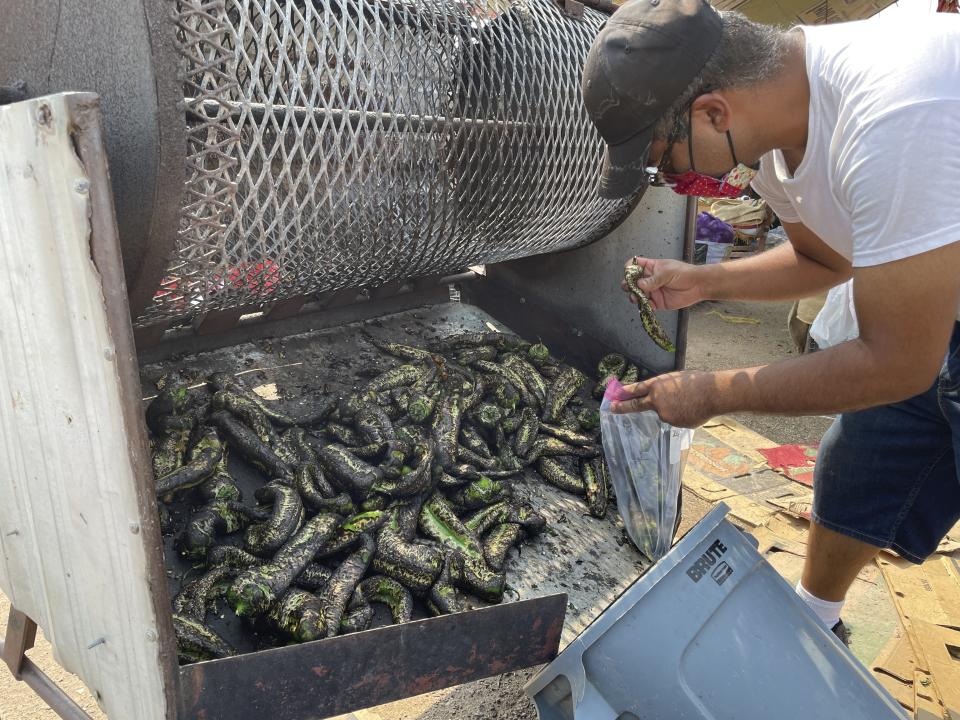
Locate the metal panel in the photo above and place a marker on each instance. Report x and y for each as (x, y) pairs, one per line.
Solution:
(583, 286)
(334, 676)
(125, 53)
(77, 540)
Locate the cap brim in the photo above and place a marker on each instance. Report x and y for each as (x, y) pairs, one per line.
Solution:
(624, 167)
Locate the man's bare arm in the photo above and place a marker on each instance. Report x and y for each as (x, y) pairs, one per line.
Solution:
(803, 267)
(906, 311)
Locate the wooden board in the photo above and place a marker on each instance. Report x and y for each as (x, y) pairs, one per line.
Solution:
(72, 554)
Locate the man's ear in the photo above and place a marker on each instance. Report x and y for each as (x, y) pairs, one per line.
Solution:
(715, 108)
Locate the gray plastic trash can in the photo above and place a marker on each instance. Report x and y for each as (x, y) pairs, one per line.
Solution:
(711, 631)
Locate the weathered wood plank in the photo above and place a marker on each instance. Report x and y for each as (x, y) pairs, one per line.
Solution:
(72, 554)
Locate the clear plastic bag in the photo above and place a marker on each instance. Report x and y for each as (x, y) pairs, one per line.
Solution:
(644, 455)
(837, 320)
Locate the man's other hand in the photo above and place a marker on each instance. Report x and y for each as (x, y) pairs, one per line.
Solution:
(683, 399)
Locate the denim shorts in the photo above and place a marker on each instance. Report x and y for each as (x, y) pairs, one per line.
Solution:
(888, 475)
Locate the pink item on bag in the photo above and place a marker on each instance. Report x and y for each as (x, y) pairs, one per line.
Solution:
(615, 391)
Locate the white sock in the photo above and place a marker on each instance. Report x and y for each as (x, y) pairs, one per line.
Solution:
(827, 611)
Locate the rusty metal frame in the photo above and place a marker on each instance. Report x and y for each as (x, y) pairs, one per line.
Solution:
(105, 251)
(20, 637)
(351, 672)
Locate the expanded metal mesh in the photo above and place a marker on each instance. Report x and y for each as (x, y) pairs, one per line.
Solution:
(346, 143)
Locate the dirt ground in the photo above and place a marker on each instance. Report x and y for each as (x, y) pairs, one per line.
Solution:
(716, 341)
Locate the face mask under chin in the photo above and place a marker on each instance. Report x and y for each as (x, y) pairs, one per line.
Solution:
(732, 185)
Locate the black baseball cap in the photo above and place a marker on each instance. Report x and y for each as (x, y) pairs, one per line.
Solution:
(643, 58)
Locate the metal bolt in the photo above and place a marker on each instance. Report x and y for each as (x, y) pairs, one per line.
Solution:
(523, 300)
(82, 185)
(108, 354)
(924, 681)
(151, 635)
(654, 2)
(135, 528)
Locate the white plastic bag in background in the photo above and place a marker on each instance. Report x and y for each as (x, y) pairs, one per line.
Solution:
(837, 320)
(644, 456)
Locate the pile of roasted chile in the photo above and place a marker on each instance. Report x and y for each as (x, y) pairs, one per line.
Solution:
(399, 493)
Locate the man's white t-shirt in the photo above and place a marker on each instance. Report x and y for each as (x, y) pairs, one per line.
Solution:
(880, 176)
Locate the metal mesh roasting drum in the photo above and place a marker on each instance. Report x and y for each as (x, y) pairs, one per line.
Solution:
(327, 144)
(339, 144)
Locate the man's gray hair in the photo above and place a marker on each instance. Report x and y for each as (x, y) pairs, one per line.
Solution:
(749, 53)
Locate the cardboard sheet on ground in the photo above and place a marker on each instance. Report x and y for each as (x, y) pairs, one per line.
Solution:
(927, 598)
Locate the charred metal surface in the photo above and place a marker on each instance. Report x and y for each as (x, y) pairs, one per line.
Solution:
(582, 286)
(310, 318)
(335, 676)
(125, 53)
(529, 319)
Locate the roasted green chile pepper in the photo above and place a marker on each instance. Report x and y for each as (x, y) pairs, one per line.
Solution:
(220, 485)
(444, 598)
(557, 475)
(337, 593)
(341, 433)
(400, 376)
(249, 446)
(530, 376)
(269, 536)
(527, 431)
(595, 486)
(473, 440)
(299, 614)
(498, 542)
(220, 517)
(568, 436)
(170, 449)
(632, 274)
(164, 411)
(196, 642)
(351, 530)
(248, 412)
(588, 419)
(416, 480)
(255, 589)
(539, 354)
(446, 429)
(317, 494)
(204, 457)
(349, 472)
(553, 447)
(561, 390)
(478, 493)
(386, 591)
(223, 381)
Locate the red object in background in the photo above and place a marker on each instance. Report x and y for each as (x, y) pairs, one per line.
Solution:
(795, 461)
(262, 276)
(950, 6)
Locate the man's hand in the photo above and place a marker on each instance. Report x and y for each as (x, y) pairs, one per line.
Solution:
(683, 399)
(670, 284)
